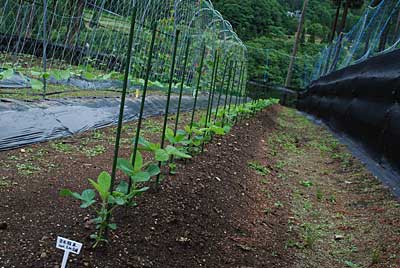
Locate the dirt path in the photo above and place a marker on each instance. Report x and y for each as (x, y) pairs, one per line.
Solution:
(277, 191)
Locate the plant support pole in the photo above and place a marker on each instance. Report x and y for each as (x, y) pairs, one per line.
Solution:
(222, 88)
(182, 85)
(171, 78)
(123, 98)
(44, 47)
(213, 77)
(145, 86)
(227, 92)
(198, 85)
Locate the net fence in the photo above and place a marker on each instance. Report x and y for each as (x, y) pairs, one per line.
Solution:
(376, 32)
(61, 47)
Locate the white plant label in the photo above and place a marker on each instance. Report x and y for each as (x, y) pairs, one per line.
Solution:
(68, 246)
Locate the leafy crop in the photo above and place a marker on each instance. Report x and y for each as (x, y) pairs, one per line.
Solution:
(182, 145)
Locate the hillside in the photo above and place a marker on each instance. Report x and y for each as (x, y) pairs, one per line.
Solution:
(270, 25)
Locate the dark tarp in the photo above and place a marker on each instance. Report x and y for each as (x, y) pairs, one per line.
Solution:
(23, 123)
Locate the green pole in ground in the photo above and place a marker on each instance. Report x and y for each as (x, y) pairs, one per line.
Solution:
(122, 105)
(123, 97)
(213, 91)
(198, 86)
(233, 86)
(182, 85)
(44, 47)
(171, 78)
(215, 63)
(222, 87)
(227, 92)
(239, 89)
(145, 86)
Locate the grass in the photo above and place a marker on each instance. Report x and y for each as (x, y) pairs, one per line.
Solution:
(27, 169)
(4, 182)
(260, 169)
(321, 204)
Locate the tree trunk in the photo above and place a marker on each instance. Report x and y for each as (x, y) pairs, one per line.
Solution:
(397, 28)
(74, 25)
(31, 20)
(344, 16)
(296, 44)
(334, 26)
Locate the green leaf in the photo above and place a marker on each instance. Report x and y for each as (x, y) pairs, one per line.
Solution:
(161, 155)
(88, 76)
(36, 84)
(103, 185)
(88, 195)
(122, 187)
(125, 166)
(7, 74)
(138, 161)
(141, 177)
(60, 74)
(120, 201)
(112, 226)
(46, 75)
(153, 170)
(174, 151)
(67, 192)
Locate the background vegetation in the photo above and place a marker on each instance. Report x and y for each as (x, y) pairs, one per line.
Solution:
(265, 24)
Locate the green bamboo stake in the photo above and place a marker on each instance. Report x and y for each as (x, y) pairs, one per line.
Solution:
(182, 85)
(123, 98)
(239, 85)
(213, 92)
(122, 105)
(210, 93)
(171, 78)
(44, 48)
(198, 86)
(226, 93)
(145, 86)
(233, 86)
(222, 87)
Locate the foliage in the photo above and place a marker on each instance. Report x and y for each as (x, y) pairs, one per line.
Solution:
(183, 142)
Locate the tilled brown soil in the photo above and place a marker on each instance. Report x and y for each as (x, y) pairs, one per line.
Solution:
(211, 214)
(278, 191)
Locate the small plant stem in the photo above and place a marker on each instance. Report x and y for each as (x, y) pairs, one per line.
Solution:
(171, 80)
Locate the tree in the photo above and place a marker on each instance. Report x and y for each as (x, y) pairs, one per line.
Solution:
(338, 3)
(296, 45)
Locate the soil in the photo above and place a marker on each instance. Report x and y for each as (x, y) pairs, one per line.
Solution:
(218, 211)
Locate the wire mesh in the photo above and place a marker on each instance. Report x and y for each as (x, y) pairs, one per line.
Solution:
(86, 40)
(376, 32)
